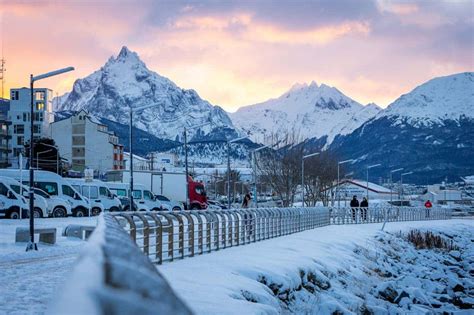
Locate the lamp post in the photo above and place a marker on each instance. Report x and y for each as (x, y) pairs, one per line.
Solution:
(391, 182)
(37, 156)
(185, 133)
(228, 168)
(302, 173)
(368, 168)
(31, 244)
(254, 154)
(130, 131)
(337, 187)
(401, 182)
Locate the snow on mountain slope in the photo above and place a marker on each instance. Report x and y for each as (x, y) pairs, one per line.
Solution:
(126, 80)
(443, 98)
(314, 111)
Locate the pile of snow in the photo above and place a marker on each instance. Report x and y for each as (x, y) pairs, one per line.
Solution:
(316, 111)
(342, 269)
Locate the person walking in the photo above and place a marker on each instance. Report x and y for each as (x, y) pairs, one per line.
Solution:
(354, 206)
(246, 201)
(364, 205)
(428, 206)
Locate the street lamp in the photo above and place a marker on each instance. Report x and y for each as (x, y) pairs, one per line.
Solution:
(401, 182)
(31, 244)
(369, 167)
(228, 168)
(391, 182)
(338, 183)
(131, 111)
(37, 156)
(254, 154)
(186, 157)
(302, 173)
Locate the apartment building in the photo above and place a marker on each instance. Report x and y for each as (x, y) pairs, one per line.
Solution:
(4, 135)
(86, 143)
(19, 116)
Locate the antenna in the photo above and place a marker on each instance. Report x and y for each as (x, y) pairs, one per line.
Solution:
(2, 73)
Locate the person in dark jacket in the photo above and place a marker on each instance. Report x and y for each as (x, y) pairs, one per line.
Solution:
(364, 205)
(246, 201)
(354, 205)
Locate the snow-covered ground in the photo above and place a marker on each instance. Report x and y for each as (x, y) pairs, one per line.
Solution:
(29, 280)
(346, 269)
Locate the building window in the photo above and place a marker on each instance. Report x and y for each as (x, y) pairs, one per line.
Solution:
(78, 129)
(40, 106)
(78, 140)
(39, 96)
(25, 116)
(19, 129)
(78, 152)
(20, 140)
(36, 128)
(16, 152)
(15, 96)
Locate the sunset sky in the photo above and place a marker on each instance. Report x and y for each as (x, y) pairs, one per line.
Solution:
(236, 53)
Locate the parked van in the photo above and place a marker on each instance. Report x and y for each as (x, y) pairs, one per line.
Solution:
(54, 185)
(58, 206)
(40, 209)
(98, 194)
(144, 199)
(11, 203)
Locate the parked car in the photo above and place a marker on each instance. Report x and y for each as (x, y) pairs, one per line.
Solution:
(99, 195)
(40, 208)
(54, 185)
(11, 203)
(58, 206)
(168, 204)
(214, 204)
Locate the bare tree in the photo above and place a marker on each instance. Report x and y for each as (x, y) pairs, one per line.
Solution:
(282, 166)
(320, 174)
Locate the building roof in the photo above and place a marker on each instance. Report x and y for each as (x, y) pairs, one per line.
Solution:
(363, 184)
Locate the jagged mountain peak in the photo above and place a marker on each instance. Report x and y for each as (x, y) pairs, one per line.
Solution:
(126, 81)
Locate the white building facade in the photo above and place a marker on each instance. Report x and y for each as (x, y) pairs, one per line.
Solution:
(87, 144)
(19, 116)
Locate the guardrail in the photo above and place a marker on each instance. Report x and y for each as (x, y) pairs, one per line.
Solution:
(165, 236)
(359, 215)
(112, 276)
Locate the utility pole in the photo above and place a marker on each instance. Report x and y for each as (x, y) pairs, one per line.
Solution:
(2, 73)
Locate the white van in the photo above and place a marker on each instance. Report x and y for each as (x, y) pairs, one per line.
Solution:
(58, 206)
(11, 203)
(54, 185)
(144, 199)
(40, 209)
(98, 193)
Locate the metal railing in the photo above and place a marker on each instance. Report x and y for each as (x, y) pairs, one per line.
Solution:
(166, 236)
(121, 280)
(359, 215)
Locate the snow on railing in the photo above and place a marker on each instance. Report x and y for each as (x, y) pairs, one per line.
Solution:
(112, 276)
(165, 236)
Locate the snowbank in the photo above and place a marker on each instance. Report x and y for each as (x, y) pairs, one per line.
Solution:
(347, 269)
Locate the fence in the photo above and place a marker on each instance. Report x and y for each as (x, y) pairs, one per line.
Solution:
(112, 276)
(165, 236)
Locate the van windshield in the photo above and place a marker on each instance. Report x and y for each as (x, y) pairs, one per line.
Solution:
(104, 192)
(148, 195)
(49, 187)
(137, 194)
(16, 188)
(69, 191)
(120, 192)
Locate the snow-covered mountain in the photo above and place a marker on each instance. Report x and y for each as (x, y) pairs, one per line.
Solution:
(125, 80)
(313, 111)
(432, 103)
(429, 131)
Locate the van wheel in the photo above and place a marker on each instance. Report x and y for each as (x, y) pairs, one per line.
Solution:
(14, 215)
(96, 211)
(80, 213)
(195, 207)
(37, 213)
(176, 209)
(59, 212)
(114, 209)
